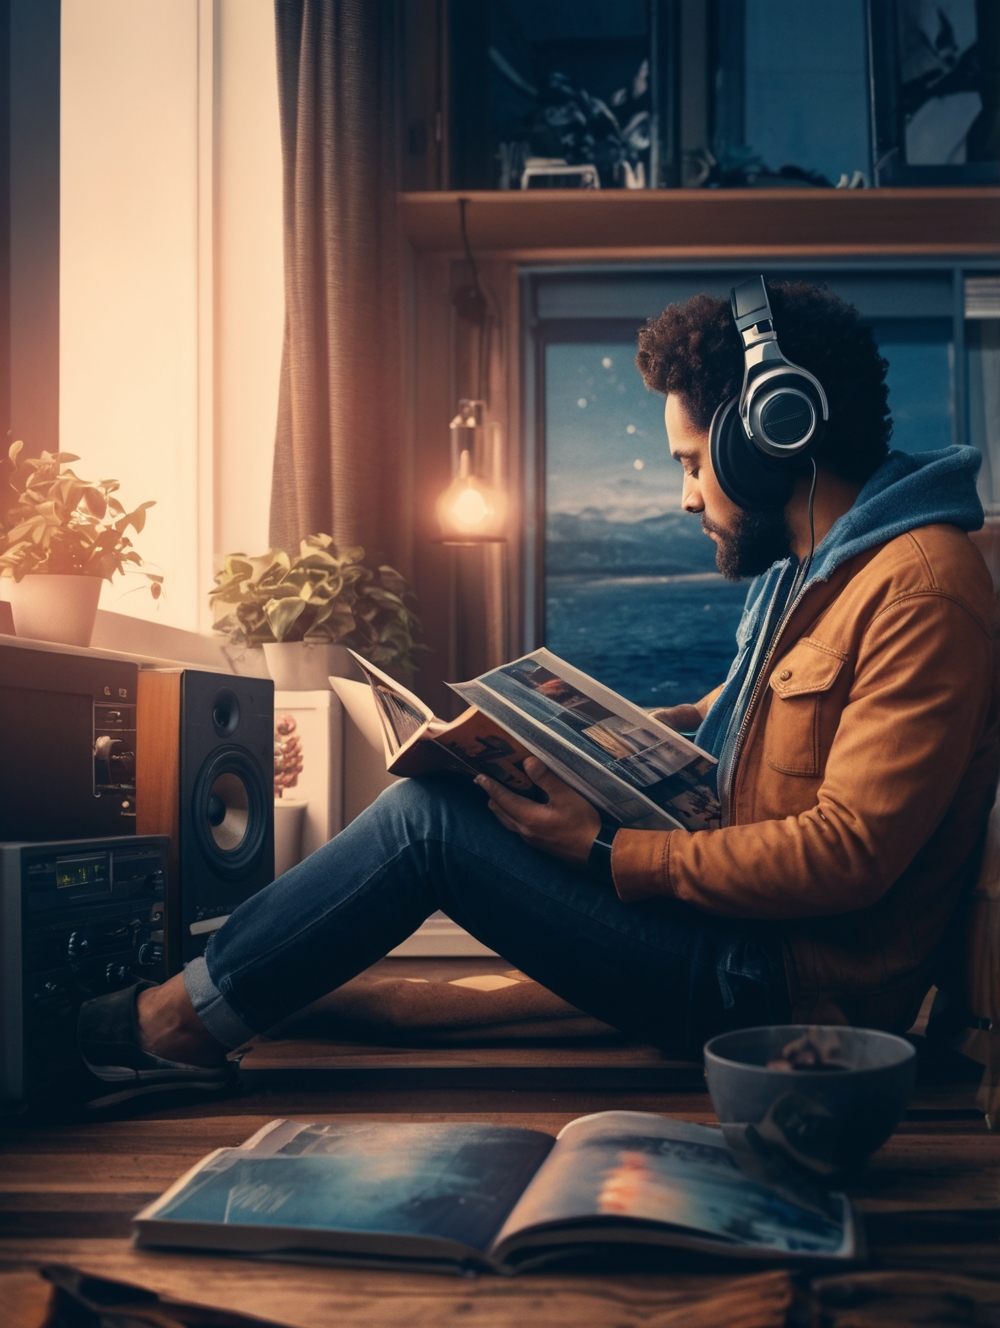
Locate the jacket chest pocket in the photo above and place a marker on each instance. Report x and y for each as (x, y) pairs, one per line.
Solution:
(799, 682)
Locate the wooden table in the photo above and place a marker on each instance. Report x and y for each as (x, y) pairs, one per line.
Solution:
(68, 1189)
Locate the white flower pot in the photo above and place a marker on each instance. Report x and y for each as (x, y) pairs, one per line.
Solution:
(55, 608)
(300, 666)
(289, 817)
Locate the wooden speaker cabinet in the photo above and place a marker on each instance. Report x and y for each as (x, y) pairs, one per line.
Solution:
(205, 777)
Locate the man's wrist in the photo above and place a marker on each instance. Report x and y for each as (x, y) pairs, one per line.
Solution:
(599, 859)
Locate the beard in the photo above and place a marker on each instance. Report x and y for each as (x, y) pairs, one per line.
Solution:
(756, 541)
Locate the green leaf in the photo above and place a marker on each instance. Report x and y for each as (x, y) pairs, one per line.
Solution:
(281, 615)
(392, 580)
(95, 502)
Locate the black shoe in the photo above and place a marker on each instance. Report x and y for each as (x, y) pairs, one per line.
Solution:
(107, 1033)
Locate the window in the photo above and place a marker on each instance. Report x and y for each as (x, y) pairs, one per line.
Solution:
(569, 81)
(791, 91)
(625, 585)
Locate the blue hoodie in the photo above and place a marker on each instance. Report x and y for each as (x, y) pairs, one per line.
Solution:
(906, 492)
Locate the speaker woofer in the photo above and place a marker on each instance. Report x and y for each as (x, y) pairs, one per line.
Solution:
(229, 808)
(228, 812)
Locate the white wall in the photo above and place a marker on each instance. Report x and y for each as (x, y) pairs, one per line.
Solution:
(171, 301)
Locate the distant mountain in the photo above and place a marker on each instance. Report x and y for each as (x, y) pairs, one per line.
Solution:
(673, 544)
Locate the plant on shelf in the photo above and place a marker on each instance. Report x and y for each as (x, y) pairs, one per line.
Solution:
(62, 525)
(320, 595)
(61, 538)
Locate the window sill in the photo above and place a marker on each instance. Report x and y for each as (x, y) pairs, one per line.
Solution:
(155, 645)
(591, 225)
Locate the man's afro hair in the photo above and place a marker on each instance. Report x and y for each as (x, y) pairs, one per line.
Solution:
(694, 350)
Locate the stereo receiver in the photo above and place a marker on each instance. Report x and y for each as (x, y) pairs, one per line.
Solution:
(68, 726)
(78, 918)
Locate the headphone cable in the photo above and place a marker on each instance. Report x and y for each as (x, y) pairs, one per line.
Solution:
(803, 572)
(812, 519)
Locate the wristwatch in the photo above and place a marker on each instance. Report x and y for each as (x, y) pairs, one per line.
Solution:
(599, 860)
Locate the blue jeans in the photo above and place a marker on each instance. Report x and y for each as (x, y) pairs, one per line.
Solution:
(660, 969)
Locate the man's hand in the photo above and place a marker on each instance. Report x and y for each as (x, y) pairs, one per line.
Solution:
(565, 826)
(681, 718)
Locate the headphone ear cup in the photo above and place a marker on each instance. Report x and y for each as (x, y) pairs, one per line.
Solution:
(785, 414)
(745, 476)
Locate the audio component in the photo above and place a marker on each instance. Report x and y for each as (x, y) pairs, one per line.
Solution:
(761, 440)
(68, 761)
(205, 777)
(78, 918)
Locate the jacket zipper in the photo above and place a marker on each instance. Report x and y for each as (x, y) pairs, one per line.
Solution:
(729, 789)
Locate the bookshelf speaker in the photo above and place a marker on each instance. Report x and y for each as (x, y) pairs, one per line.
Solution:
(205, 768)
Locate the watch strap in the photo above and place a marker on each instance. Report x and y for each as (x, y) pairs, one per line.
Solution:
(599, 860)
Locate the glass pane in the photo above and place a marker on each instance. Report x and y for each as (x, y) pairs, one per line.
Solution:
(983, 342)
(792, 92)
(632, 596)
(568, 82)
(920, 355)
(940, 79)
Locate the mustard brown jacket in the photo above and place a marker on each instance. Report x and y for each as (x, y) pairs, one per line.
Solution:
(863, 778)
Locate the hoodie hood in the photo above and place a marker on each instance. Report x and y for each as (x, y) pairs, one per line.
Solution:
(906, 492)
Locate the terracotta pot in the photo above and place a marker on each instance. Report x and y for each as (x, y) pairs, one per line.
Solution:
(300, 666)
(289, 816)
(55, 608)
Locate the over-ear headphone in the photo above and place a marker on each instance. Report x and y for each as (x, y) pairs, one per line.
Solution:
(760, 439)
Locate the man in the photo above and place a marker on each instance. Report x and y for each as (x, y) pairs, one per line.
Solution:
(858, 741)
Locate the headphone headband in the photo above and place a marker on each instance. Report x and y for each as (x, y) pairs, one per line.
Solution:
(748, 301)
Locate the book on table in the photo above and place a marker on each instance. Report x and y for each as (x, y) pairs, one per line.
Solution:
(631, 766)
(466, 1196)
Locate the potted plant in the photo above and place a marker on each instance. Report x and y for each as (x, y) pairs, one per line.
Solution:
(61, 539)
(306, 608)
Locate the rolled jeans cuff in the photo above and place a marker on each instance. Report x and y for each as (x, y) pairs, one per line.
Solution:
(219, 1018)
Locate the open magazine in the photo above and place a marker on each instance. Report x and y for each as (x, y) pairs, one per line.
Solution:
(465, 1196)
(628, 764)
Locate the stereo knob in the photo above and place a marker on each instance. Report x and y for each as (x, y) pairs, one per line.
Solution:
(150, 953)
(114, 974)
(77, 945)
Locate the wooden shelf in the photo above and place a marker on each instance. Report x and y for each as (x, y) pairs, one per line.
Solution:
(565, 225)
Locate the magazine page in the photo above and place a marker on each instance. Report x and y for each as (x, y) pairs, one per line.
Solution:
(620, 1168)
(480, 746)
(395, 1189)
(665, 769)
(359, 703)
(598, 785)
(401, 714)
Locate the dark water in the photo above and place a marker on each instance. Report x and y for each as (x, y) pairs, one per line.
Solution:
(657, 640)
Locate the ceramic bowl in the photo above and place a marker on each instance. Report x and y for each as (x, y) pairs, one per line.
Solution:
(826, 1121)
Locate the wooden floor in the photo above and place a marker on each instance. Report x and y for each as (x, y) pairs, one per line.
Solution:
(68, 1188)
(70, 1185)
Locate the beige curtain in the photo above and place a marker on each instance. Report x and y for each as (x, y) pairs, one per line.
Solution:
(337, 448)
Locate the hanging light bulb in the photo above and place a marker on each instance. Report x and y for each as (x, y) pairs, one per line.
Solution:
(471, 510)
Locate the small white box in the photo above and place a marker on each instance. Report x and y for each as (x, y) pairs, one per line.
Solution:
(319, 724)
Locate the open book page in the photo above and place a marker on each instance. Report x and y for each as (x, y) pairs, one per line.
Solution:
(422, 1190)
(608, 793)
(359, 703)
(401, 714)
(618, 1168)
(387, 714)
(555, 701)
(479, 746)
